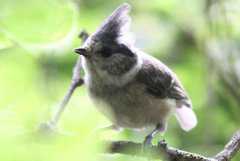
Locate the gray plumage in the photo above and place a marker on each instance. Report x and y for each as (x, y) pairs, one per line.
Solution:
(130, 87)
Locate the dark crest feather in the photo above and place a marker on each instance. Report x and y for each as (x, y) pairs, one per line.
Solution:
(113, 26)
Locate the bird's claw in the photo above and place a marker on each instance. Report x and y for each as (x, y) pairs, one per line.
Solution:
(162, 144)
(147, 144)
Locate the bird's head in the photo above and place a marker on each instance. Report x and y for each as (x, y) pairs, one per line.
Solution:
(109, 48)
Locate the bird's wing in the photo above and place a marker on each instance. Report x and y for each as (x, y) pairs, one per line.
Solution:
(160, 81)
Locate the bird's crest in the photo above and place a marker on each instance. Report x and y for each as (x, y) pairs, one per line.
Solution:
(116, 25)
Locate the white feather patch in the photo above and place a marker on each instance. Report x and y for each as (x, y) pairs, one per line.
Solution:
(127, 38)
(186, 118)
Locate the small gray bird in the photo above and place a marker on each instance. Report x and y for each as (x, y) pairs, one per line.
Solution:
(133, 89)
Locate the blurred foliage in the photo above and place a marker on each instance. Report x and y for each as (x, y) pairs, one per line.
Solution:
(33, 82)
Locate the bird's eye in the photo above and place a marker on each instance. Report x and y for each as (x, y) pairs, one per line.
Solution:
(106, 52)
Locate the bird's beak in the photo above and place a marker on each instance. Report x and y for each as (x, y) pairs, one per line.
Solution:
(81, 51)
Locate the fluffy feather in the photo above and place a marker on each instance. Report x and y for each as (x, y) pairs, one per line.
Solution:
(186, 118)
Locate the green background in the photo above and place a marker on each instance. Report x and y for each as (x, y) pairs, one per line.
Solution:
(36, 62)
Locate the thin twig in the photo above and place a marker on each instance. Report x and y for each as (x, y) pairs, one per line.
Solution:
(76, 82)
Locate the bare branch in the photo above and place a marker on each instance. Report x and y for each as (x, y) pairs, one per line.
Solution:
(162, 150)
(157, 152)
(231, 148)
(76, 82)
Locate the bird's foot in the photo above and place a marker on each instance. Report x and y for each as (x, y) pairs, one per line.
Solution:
(147, 144)
(162, 144)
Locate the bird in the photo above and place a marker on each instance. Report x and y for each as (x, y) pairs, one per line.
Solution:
(131, 88)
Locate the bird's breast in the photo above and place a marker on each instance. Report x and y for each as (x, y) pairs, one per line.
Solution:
(129, 106)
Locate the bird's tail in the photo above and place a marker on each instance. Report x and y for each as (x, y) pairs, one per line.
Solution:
(186, 118)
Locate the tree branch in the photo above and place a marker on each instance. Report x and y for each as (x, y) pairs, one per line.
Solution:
(77, 81)
(162, 150)
(230, 149)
